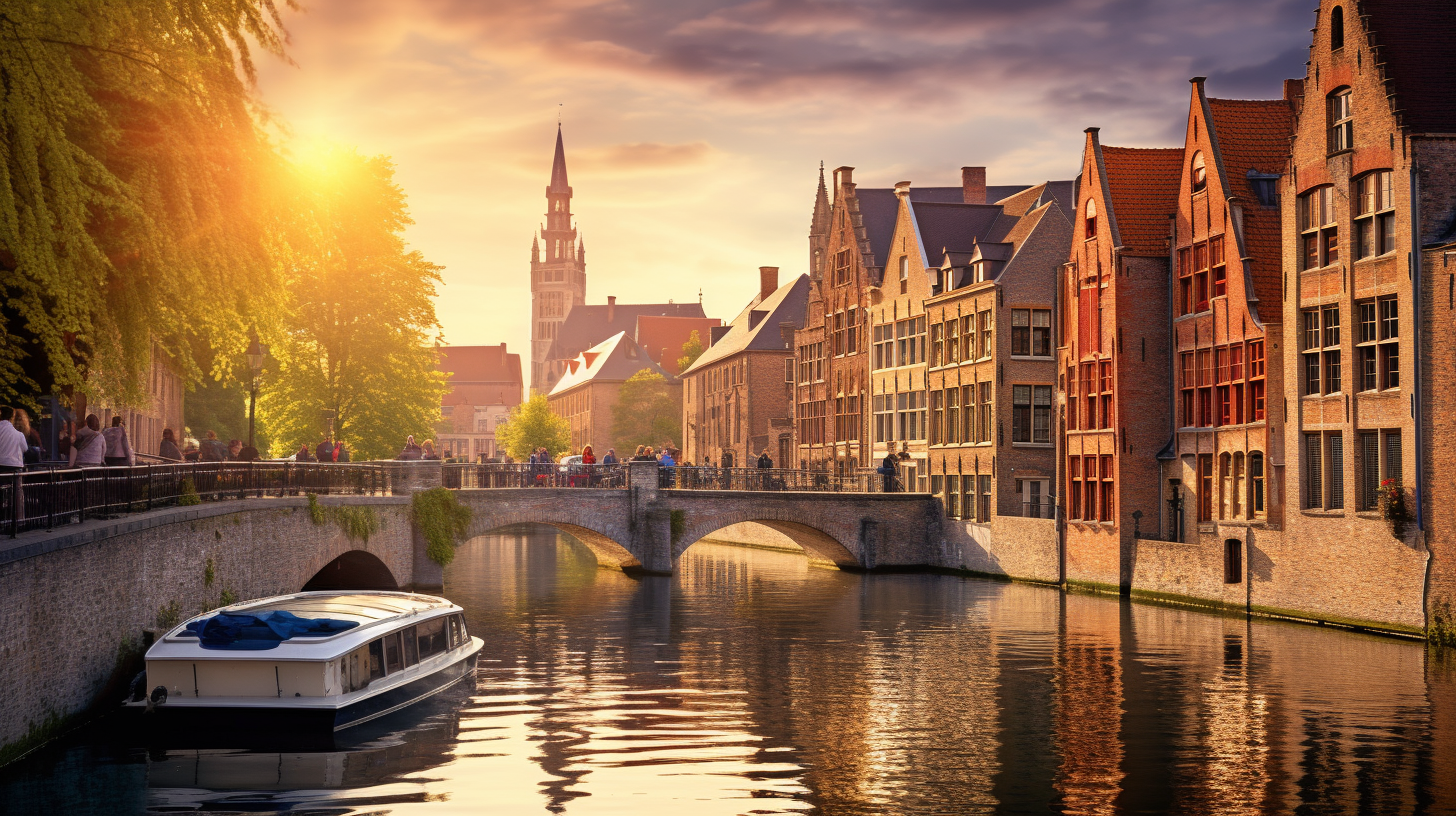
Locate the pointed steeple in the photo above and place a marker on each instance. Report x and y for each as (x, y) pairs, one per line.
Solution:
(558, 165)
(820, 223)
(535, 249)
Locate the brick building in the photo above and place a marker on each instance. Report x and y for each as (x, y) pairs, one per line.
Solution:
(1367, 226)
(992, 368)
(738, 397)
(586, 394)
(1222, 469)
(590, 325)
(662, 337)
(1114, 356)
(485, 383)
(850, 244)
(558, 278)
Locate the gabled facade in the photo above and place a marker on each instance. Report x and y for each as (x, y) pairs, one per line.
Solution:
(485, 383)
(1222, 468)
(1368, 204)
(586, 394)
(738, 397)
(1113, 368)
(993, 370)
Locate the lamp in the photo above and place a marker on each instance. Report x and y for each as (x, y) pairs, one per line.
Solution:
(255, 354)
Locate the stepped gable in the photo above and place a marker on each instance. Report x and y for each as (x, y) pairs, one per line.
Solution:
(1143, 183)
(1253, 136)
(1413, 44)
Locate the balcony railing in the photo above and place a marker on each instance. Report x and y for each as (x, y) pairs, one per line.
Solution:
(470, 477)
(52, 497)
(771, 479)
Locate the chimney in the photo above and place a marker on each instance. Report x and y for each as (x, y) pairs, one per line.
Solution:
(611, 307)
(1293, 89)
(973, 185)
(768, 282)
(902, 188)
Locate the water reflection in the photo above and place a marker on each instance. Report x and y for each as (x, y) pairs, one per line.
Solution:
(753, 683)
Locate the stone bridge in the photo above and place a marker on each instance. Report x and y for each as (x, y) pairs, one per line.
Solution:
(645, 528)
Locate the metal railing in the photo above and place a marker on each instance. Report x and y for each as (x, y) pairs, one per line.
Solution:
(707, 477)
(51, 497)
(1044, 509)
(471, 477)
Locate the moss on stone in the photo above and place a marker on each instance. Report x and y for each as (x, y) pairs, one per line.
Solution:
(442, 520)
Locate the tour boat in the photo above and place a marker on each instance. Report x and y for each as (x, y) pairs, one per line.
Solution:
(308, 661)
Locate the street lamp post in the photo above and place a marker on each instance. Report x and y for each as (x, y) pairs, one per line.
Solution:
(256, 351)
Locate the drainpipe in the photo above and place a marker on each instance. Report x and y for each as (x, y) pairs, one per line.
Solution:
(1416, 413)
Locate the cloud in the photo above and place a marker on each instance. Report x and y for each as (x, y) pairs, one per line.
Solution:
(642, 157)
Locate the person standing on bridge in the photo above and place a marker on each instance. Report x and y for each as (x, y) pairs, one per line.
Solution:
(12, 443)
(88, 448)
(168, 449)
(118, 447)
(887, 472)
(765, 464)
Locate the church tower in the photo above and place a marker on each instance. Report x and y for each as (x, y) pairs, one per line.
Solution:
(558, 272)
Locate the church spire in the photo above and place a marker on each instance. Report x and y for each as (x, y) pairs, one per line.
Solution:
(558, 166)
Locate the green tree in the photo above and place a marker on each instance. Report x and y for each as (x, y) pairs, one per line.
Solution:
(137, 189)
(355, 336)
(532, 425)
(648, 412)
(691, 351)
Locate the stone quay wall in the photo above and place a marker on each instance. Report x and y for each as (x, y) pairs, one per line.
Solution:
(74, 603)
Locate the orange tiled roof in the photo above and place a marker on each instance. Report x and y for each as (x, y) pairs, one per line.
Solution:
(1253, 135)
(478, 364)
(663, 336)
(1144, 185)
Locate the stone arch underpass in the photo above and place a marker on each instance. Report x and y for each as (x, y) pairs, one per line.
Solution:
(649, 529)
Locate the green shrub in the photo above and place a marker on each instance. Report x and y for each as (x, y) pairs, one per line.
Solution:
(169, 614)
(1442, 631)
(227, 598)
(189, 497)
(358, 523)
(316, 511)
(442, 520)
(209, 573)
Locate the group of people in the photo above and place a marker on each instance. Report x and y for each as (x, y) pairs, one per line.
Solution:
(328, 450)
(414, 452)
(19, 442)
(208, 449)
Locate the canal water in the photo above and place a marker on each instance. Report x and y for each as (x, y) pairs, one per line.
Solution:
(753, 683)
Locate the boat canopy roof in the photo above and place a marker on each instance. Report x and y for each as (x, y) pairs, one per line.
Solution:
(319, 623)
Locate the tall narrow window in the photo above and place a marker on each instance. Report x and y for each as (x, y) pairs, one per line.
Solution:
(1225, 485)
(1041, 332)
(1199, 172)
(1319, 243)
(986, 345)
(1109, 495)
(985, 412)
(1020, 413)
(1074, 481)
(983, 511)
(1189, 382)
(1374, 214)
(1105, 416)
(1256, 484)
(1041, 416)
(1341, 124)
(953, 415)
(1185, 281)
(1369, 464)
(1337, 28)
(1219, 270)
(1256, 381)
(1091, 219)
(1394, 460)
(1021, 332)
(1205, 487)
(1335, 473)
(1233, 561)
(1314, 485)
(968, 413)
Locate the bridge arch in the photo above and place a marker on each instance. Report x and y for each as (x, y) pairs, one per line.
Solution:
(598, 519)
(355, 569)
(817, 544)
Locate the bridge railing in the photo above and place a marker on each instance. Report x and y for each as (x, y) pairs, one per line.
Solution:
(707, 477)
(469, 476)
(52, 497)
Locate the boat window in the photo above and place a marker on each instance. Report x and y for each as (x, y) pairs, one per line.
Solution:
(376, 660)
(392, 658)
(411, 647)
(454, 631)
(431, 637)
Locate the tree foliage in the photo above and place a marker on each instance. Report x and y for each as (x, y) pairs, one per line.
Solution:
(137, 193)
(357, 316)
(533, 425)
(648, 412)
(691, 351)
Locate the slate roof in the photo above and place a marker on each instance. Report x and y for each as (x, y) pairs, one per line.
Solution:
(878, 208)
(757, 326)
(953, 226)
(1254, 135)
(585, 326)
(1414, 39)
(612, 360)
(1144, 186)
(663, 337)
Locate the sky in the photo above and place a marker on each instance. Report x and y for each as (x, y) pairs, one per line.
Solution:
(694, 130)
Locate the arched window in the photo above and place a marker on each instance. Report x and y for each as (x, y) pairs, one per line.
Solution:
(1340, 120)
(1200, 172)
(1337, 28)
(1091, 217)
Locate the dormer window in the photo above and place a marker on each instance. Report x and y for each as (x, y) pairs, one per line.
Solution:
(1341, 123)
(1200, 172)
(1091, 218)
(1337, 28)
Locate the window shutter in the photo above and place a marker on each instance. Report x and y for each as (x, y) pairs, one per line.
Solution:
(1394, 460)
(1314, 487)
(1337, 472)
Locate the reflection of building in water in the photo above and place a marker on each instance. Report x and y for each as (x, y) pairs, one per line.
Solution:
(1088, 714)
(1026, 623)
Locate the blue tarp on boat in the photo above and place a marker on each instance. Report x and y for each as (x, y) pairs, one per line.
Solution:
(262, 631)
